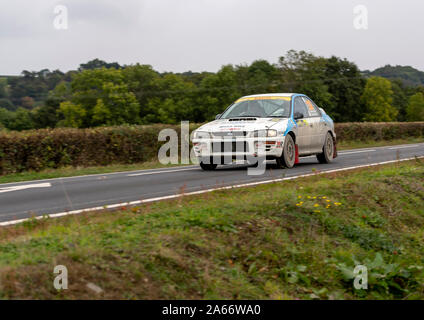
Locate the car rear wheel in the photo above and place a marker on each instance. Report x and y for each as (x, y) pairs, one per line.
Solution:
(208, 166)
(288, 157)
(327, 154)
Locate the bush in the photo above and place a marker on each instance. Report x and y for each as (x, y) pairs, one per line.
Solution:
(53, 148)
(377, 131)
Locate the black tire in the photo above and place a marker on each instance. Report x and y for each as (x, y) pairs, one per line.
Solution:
(208, 166)
(288, 157)
(327, 154)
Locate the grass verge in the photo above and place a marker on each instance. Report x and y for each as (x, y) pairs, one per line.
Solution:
(80, 171)
(291, 240)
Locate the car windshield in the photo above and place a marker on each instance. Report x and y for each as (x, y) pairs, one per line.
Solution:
(260, 107)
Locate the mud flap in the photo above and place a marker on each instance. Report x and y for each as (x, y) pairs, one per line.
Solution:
(335, 149)
(296, 158)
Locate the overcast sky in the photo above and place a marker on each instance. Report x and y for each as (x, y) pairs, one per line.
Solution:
(202, 35)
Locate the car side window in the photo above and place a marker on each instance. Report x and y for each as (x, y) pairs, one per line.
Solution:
(312, 108)
(299, 106)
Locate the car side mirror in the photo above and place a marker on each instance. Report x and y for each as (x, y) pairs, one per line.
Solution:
(218, 116)
(298, 115)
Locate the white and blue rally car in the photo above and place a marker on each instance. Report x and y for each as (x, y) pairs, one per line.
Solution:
(280, 126)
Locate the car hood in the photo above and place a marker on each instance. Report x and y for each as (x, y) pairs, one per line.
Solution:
(245, 125)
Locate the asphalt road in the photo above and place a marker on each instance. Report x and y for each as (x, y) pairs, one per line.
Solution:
(25, 199)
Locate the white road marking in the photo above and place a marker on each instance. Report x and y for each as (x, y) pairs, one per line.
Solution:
(156, 172)
(360, 151)
(24, 187)
(133, 203)
(413, 145)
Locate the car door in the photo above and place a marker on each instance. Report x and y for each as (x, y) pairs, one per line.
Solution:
(303, 138)
(316, 126)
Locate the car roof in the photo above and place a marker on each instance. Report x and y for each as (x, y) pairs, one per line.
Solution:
(271, 95)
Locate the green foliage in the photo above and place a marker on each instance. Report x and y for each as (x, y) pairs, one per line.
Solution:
(111, 94)
(383, 278)
(408, 75)
(73, 115)
(378, 98)
(100, 97)
(7, 104)
(35, 85)
(366, 131)
(415, 108)
(346, 85)
(3, 87)
(305, 73)
(98, 64)
(19, 120)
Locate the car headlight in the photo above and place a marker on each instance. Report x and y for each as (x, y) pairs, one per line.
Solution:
(265, 133)
(201, 135)
(272, 133)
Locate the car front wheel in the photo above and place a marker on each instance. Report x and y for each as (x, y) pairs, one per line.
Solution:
(288, 157)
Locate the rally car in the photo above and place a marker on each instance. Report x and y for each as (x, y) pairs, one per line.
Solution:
(281, 126)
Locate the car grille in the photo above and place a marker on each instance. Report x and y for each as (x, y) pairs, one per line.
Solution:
(230, 146)
(230, 134)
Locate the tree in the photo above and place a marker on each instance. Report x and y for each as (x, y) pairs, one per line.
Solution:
(27, 102)
(7, 104)
(118, 106)
(216, 92)
(172, 102)
(378, 98)
(73, 115)
(142, 80)
(20, 120)
(3, 86)
(415, 108)
(346, 85)
(47, 115)
(107, 85)
(98, 64)
(6, 117)
(303, 72)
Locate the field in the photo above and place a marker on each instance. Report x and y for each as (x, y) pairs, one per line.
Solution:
(296, 239)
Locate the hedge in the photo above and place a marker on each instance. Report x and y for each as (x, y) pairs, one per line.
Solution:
(377, 131)
(53, 148)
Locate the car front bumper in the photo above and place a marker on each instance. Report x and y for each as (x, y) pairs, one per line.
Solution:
(238, 149)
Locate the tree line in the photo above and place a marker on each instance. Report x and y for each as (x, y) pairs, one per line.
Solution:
(107, 94)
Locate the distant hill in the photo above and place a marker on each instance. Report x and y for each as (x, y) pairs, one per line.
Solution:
(408, 75)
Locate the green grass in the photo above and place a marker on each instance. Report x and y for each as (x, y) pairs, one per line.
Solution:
(291, 240)
(79, 171)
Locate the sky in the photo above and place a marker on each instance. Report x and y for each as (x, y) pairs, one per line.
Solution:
(203, 35)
